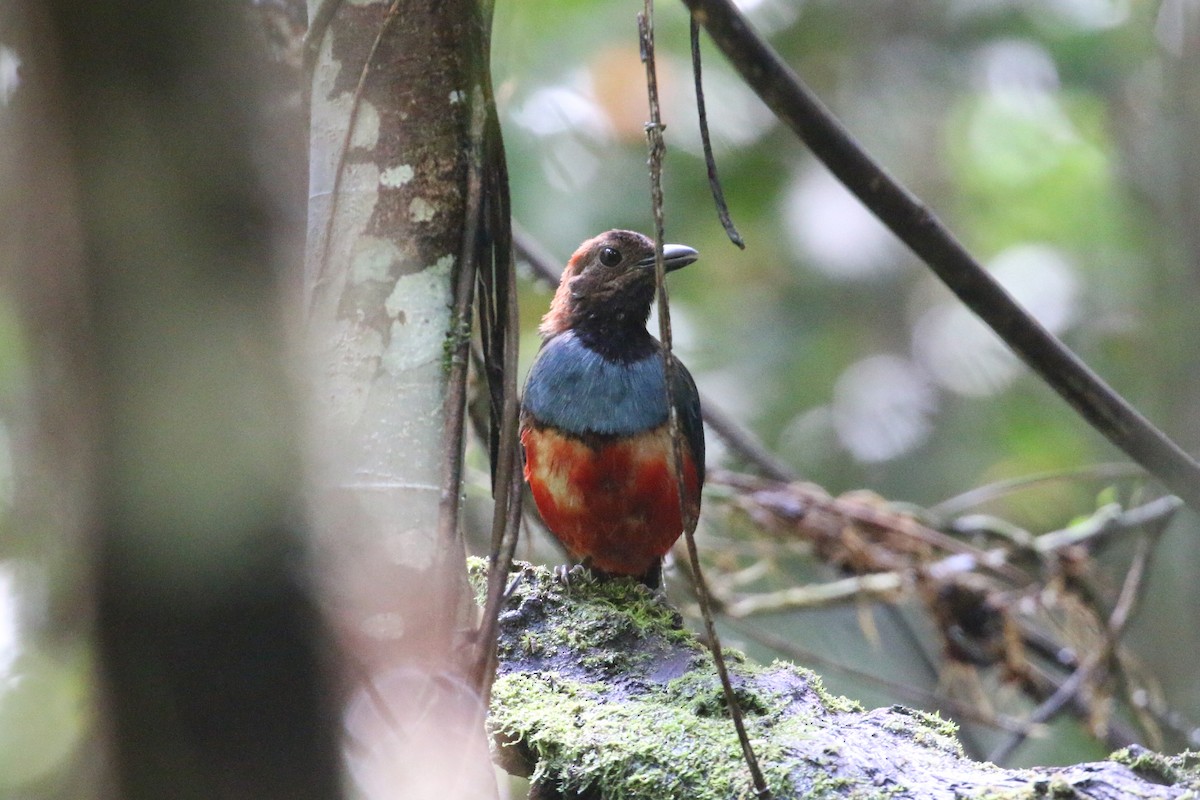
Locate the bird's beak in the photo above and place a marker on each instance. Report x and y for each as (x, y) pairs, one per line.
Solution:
(674, 257)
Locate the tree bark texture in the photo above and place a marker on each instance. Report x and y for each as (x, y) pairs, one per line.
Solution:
(386, 209)
(389, 148)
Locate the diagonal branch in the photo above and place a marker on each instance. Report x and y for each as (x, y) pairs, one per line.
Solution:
(794, 104)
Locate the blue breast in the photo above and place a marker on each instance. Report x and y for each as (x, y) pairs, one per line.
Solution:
(578, 391)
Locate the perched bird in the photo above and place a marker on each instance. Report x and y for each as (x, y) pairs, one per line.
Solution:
(594, 415)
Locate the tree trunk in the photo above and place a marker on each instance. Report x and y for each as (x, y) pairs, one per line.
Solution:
(391, 111)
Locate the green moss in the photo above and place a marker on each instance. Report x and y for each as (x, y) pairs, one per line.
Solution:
(1060, 788)
(833, 703)
(567, 708)
(928, 730)
(604, 613)
(702, 693)
(477, 578)
(649, 747)
(1187, 764)
(1180, 769)
(1147, 763)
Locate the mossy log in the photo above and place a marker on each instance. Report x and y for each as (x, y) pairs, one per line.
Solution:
(602, 693)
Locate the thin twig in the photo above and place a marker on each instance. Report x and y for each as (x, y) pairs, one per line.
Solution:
(793, 103)
(1094, 531)
(657, 148)
(714, 183)
(741, 441)
(870, 586)
(545, 267)
(459, 344)
(856, 588)
(485, 669)
(506, 523)
(1104, 524)
(793, 502)
(979, 495)
(498, 309)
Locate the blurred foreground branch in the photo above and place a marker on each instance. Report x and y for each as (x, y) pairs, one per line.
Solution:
(211, 647)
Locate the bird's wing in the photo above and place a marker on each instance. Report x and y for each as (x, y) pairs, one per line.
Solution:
(687, 406)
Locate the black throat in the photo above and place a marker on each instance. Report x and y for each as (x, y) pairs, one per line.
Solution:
(616, 338)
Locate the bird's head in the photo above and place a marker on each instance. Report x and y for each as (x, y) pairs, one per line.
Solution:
(608, 284)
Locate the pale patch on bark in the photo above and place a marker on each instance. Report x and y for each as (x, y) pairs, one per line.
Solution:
(419, 323)
(396, 176)
(374, 259)
(420, 210)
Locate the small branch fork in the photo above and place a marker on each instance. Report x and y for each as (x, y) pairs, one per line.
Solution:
(1118, 620)
(892, 556)
(657, 148)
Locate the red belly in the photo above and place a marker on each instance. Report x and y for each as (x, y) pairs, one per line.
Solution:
(617, 505)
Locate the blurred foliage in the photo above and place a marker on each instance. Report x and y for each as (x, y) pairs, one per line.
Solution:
(1056, 140)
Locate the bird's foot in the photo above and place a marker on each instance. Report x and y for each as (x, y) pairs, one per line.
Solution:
(575, 574)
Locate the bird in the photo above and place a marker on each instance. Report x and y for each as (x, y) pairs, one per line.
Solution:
(595, 420)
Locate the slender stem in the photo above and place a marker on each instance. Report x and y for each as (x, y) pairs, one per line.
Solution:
(499, 320)
(795, 104)
(955, 506)
(657, 149)
(710, 162)
(459, 348)
(740, 440)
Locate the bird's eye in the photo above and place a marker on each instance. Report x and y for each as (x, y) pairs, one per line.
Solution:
(609, 256)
